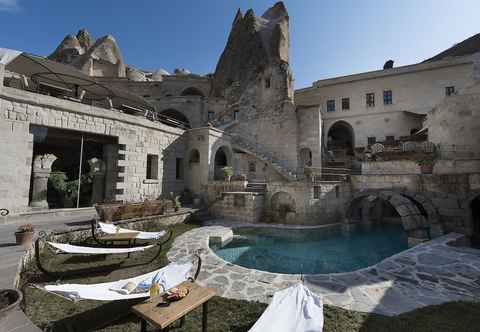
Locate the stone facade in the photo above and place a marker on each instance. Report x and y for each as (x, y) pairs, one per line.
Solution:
(308, 203)
(136, 137)
(416, 89)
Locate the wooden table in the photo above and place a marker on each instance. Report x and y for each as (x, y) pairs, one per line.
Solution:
(162, 316)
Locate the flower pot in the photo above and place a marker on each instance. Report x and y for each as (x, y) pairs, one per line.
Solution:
(24, 238)
(426, 169)
(9, 300)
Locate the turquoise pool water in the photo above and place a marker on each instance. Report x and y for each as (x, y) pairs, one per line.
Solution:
(323, 250)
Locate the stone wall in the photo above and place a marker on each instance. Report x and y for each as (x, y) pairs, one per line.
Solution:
(310, 133)
(239, 206)
(137, 138)
(214, 189)
(456, 166)
(390, 167)
(455, 125)
(16, 146)
(312, 206)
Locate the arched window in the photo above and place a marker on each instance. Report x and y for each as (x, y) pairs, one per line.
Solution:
(194, 156)
(192, 91)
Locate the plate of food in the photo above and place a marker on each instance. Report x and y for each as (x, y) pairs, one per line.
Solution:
(176, 293)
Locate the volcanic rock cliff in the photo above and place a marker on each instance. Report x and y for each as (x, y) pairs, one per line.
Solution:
(96, 58)
(254, 44)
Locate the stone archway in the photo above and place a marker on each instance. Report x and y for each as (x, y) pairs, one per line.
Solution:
(192, 91)
(340, 138)
(222, 159)
(475, 220)
(282, 208)
(172, 114)
(413, 214)
(471, 206)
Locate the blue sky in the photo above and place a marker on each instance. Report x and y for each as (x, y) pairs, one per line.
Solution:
(328, 38)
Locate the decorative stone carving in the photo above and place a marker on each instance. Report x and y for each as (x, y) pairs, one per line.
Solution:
(377, 148)
(42, 168)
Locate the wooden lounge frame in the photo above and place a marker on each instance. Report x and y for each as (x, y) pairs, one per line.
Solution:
(102, 269)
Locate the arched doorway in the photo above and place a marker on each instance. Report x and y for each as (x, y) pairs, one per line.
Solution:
(475, 210)
(305, 157)
(283, 209)
(174, 117)
(221, 160)
(340, 139)
(192, 91)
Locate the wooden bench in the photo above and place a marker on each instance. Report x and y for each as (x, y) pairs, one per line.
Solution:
(161, 314)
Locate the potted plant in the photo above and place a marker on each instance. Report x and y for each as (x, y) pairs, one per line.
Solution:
(10, 300)
(24, 235)
(426, 163)
(177, 204)
(227, 173)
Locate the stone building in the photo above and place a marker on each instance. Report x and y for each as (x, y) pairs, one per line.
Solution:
(82, 126)
(384, 105)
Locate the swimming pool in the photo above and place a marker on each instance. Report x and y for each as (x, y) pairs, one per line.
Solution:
(330, 249)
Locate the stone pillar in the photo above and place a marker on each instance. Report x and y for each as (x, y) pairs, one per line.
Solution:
(42, 167)
(97, 170)
(110, 156)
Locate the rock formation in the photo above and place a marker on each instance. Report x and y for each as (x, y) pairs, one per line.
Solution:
(95, 58)
(254, 44)
(253, 75)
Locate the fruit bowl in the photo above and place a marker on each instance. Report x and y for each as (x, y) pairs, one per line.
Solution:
(176, 293)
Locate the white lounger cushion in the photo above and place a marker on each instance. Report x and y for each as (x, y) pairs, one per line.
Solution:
(168, 277)
(112, 229)
(295, 309)
(71, 249)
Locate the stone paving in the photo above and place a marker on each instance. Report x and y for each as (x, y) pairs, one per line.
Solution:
(430, 273)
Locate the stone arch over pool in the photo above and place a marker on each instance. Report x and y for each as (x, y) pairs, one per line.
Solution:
(418, 215)
(283, 207)
(472, 220)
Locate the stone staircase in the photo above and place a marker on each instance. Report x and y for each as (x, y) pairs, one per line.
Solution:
(335, 174)
(264, 155)
(256, 186)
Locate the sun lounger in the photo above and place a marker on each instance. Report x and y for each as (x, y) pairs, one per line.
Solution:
(293, 309)
(168, 276)
(112, 229)
(83, 250)
(71, 249)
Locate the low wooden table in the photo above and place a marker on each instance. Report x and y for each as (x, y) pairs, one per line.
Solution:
(162, 316)
(130, 237)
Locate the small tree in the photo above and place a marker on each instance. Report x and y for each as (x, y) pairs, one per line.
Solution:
(227, 172)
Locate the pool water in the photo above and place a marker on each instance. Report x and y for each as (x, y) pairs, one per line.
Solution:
(330, 249)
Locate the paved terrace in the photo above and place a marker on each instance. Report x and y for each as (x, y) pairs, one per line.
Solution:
(428, 274)
(12, 256)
